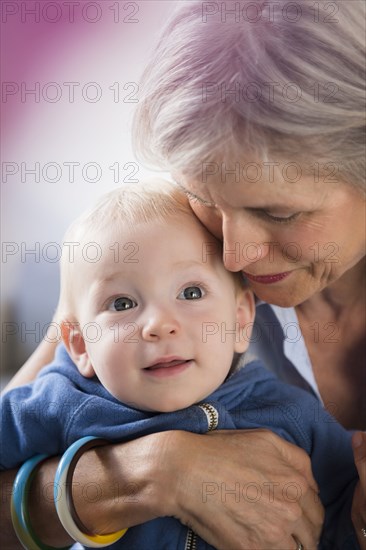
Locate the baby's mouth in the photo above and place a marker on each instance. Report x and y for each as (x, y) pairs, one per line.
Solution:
(167, 364)
(168, 367)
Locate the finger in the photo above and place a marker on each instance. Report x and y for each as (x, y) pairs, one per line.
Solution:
(359, 452)
(359, 508)
(295, 457)
(308, 529)
(290, 543)
(298, 544)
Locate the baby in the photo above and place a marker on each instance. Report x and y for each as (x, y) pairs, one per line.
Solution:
(153, 323)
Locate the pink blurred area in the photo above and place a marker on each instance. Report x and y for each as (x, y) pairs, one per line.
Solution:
(30, 43)
(99, 47)
(38, 36)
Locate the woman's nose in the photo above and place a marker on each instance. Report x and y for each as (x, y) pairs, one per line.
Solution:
(243, 244)
(160, 323)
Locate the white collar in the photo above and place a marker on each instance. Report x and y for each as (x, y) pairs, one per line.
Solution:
(294, 347)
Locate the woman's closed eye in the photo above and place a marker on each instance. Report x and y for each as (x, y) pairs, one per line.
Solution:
(191, 292)
(282, 218)
(121, 303)
(194, 198)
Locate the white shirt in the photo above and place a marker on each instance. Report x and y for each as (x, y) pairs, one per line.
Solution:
(278, 341)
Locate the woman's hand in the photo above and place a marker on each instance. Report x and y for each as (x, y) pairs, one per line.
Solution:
(236, 489)
(245, 489)
(359, 497)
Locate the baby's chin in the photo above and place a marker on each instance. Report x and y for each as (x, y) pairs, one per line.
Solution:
(170, 406)
(160, 406)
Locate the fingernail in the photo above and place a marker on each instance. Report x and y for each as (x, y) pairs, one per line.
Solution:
(357, 440)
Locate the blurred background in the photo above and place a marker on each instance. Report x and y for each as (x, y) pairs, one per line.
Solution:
(70, 73)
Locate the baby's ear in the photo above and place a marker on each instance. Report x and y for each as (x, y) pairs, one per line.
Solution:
(245, 313)
(75, 344)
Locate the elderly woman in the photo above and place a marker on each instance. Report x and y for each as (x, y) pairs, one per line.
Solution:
(257, 110)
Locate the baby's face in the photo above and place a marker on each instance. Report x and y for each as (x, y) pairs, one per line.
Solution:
(160, 315)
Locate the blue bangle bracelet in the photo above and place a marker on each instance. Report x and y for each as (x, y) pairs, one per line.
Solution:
(19, 505)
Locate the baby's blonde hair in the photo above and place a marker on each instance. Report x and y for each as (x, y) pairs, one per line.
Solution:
(124, 207)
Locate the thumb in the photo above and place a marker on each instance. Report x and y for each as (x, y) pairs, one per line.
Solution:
(359, 453)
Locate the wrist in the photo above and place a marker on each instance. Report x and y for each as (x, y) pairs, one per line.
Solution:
(128, 483)
(166, 471)
(175, 484)
(42, 511)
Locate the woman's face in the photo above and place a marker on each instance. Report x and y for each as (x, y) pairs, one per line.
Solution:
(290, 238)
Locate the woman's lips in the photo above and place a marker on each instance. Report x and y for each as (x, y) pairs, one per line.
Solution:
(267, 279)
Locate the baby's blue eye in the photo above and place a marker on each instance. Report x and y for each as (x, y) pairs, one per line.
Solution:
(122, 303)
(191, 293)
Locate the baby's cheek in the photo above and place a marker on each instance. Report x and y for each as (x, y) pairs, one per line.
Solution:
(104, 346)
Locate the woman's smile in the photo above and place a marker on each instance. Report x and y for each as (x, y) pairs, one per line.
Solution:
(267, 279)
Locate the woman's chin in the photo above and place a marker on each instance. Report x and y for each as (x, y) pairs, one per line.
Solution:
(285, 294)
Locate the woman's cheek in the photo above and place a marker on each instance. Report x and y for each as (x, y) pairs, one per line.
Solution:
(210, 218)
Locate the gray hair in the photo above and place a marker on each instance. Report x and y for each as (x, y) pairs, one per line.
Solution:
(266, 80)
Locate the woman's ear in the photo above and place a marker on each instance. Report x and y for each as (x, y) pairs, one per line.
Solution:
(245, 313)
(75, 344)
